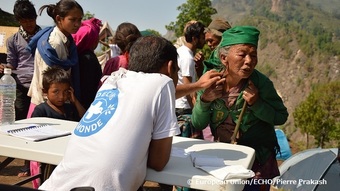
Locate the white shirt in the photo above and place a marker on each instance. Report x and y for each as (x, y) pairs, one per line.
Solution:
(108, 149)
(186, 64)
(115, 50)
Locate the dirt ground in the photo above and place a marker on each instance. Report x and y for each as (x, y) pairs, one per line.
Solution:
(9, 174)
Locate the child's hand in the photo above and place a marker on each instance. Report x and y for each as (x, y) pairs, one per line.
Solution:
(72, 97)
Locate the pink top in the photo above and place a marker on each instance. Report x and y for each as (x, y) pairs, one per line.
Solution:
(115, 63)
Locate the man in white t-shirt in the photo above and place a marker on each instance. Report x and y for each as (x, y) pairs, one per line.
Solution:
(195, 39)
(128, 127)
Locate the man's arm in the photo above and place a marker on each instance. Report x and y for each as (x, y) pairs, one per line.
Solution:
(159, 153)
(205, 81)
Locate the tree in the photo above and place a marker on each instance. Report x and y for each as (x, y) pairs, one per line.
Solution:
(153, 32)
(319, 114)
(200, 10)
(88, 15)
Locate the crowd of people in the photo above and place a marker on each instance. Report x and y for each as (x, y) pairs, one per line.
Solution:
(149, 91)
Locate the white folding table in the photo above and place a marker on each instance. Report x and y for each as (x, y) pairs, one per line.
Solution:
(179, 170)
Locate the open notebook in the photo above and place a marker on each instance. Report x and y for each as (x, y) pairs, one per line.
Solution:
(37, 132)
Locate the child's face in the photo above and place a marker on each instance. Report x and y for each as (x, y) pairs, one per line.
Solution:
(58, 93)
(71, 23)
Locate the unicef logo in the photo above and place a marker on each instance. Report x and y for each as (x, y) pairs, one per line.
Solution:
(100, 112)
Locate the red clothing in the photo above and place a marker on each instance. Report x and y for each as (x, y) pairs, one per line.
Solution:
(115, 63)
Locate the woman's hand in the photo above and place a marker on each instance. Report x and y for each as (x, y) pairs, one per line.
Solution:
(250, 94)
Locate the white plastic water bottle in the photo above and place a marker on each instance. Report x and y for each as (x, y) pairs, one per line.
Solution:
(7, 97)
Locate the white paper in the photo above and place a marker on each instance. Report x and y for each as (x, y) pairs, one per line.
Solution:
(179, 152)
(228, 172)
(206, 160)
(216, 167)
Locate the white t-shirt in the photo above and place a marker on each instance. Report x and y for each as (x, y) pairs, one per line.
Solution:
(108, 149)
(186, 64)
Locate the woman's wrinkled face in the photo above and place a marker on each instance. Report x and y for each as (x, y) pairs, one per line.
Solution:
(241, 60)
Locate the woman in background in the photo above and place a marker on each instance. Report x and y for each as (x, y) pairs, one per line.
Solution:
(126, 34)
(86, 40)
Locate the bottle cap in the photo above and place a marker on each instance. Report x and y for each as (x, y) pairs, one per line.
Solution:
(7, 71)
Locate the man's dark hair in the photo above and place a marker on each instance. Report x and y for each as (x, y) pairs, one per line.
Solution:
(194, 30)
(148, 54)
(24, 9)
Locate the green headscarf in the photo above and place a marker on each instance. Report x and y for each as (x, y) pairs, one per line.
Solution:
(240, 35)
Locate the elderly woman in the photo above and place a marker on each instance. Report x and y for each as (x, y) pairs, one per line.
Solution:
(221, 104)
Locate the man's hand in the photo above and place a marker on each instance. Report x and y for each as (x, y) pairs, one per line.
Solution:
(199, 58)
(205, 81)
(210, 78)
(214, 91)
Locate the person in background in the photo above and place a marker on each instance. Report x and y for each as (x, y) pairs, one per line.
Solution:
(54, 46)
(213, 33)
(204, 81)
(220, 105)
(21, 61)
(115, 154)
(126, 34)
(180, 41)
(213, 36)
(187, 74)
(199, 57)
(194, 36)
(114, 49)
(86, 40)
